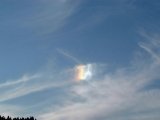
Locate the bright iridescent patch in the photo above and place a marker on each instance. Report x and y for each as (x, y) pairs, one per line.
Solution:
(83, 72)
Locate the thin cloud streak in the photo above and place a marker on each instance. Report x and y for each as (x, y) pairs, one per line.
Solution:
(66, 54)
(50, 15)
(154, 55)
(25, 78)
(28, 85)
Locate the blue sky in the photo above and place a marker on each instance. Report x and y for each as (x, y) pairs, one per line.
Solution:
(42, 41)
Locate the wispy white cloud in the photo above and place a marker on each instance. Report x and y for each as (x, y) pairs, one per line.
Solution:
(66, 54)
(122, 94)
(24, 78)
(28, 84)
(50, 15)
(119, 95)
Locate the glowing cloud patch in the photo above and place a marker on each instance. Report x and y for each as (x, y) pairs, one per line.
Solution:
(83, 72)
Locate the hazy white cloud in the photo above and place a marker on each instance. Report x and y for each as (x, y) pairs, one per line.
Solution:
(28, 84)
(25, 78)
(49, 15)
(119, 95)
(123, 94)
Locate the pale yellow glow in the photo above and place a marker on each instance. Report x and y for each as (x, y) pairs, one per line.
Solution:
(80, 72)
(83, 72)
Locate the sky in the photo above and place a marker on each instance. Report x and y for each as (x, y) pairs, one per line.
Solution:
(80, 59)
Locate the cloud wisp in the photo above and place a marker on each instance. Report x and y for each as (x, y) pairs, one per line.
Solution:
(28, 84)
(123, 94)
(66, 54)
(50, 15)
